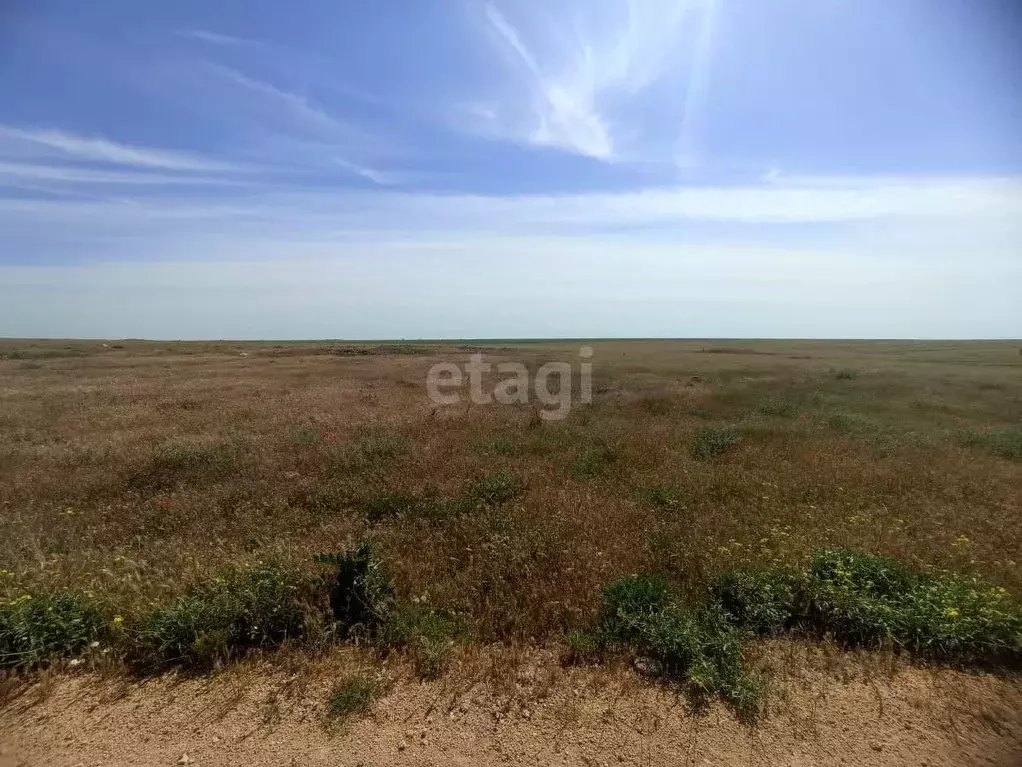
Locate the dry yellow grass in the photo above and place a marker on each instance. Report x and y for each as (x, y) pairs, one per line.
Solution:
(134, 468)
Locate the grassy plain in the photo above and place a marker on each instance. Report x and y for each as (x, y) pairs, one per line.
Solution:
(131, 470)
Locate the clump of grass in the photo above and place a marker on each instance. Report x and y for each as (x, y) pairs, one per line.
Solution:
(849, 423)
(307, 436)
(175, 462)
(713, 441)
(1004, 442)
(846, 374)
(495, 489)
(502, 446)
(871, 601)
(388, 505)
(663, 498)
(37, 629)
(657, 404)
(428, 637)
(591, 461)
(697, 647)
(361, 594)
(376, 447)
(352, 697)
(777, 407)
(585, 647)
(219, 619)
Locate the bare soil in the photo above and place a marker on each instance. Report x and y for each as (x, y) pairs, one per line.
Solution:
(257, 716)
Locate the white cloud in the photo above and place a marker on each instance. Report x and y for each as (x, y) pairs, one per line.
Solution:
(577, 82)
(26, 141)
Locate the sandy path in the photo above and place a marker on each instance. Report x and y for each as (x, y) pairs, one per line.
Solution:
(579, 717)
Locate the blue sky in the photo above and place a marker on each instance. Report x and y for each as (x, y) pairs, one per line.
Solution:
(454, 168)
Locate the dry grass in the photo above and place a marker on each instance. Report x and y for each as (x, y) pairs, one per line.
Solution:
(133, 469)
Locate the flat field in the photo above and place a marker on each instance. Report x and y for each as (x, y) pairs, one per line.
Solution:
(130, 471)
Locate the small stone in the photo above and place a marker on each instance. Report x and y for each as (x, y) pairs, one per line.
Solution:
(185, 759)
(402, 746)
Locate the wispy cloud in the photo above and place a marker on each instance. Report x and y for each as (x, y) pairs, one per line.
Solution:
(26, 141)
(215, 38)
(915, 202)
(14, 174)
(579, 80)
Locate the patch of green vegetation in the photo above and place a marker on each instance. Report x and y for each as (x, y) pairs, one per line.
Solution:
(697, 647)
(352, 697)
(376, 447)
(663, 498)
(592, 460)
(495, 489)
(1004, 441)
(428, 637)
(219, 619)
(846, 374)
(503, 446)
(37, 629)
(777, 407)
(389, 504)
(765, 601)
(871, 601)
(585, 647)
(361, 594)
(713, 441)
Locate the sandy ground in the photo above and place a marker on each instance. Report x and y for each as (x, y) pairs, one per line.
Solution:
(265, 716)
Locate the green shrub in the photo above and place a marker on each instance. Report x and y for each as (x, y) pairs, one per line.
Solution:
(35, 629)
(216, 620)
(361, 594)
(695, 646)
(712, 441)
(870, 601)
(863, 599)
(495, 489)
(846, 375)
(765, 601)
(663, 498)
(352, 697)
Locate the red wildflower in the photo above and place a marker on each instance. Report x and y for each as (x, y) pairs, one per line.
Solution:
(985, 427)
(804, 417)
(329, 435)
(166, 503)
